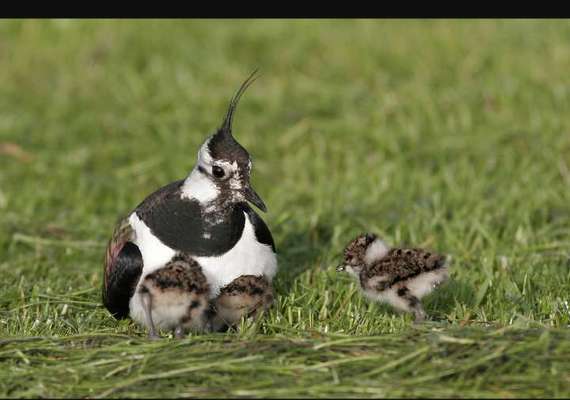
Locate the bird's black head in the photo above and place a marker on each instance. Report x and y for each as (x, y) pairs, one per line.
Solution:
(225, 162)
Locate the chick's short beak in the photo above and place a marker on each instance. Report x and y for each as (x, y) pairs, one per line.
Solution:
(251, 196)
(340, 268)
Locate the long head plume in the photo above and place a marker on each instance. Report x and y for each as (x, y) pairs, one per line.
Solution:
(226, 128)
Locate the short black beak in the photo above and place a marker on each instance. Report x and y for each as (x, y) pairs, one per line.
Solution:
(340, 268)
(254, 198)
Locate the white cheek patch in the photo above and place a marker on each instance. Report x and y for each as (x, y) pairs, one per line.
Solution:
(375, 251)
(199, 186)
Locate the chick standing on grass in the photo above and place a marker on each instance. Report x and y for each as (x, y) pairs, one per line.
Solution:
(397, 276)
(175, 297)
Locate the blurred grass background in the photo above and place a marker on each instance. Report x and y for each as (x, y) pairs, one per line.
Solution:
(453, 135)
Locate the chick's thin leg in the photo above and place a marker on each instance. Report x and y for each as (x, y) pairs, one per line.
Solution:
(146, 299)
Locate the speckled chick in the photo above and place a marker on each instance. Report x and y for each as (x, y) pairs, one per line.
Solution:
(397, 276)
(175, 297)
(247, 296)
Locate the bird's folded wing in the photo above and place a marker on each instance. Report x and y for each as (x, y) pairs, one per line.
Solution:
(123, 267)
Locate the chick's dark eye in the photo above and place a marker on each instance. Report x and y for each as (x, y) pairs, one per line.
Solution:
(218, 172)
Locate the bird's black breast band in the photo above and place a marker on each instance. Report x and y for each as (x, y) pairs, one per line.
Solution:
(183, 225)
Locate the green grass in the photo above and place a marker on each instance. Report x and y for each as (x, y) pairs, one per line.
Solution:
(453, 135)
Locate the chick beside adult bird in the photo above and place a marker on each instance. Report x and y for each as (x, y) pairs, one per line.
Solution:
(397, 276)
(247, 296)
(176, 297)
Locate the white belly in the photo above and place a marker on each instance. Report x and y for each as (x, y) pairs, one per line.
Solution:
(247, 257)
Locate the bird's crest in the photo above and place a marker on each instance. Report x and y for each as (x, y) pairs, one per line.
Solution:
(226, 128)
(222, 144)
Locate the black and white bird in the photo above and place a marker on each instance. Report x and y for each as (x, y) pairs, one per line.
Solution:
(397, 276)
(205, 216)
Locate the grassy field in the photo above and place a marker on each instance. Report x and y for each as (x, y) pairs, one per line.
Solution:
(453, 135)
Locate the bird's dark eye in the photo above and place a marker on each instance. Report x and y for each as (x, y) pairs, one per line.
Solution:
(218, 172)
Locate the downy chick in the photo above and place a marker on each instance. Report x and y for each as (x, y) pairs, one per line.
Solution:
(175, 297)
(247, 296)
(397, 276)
